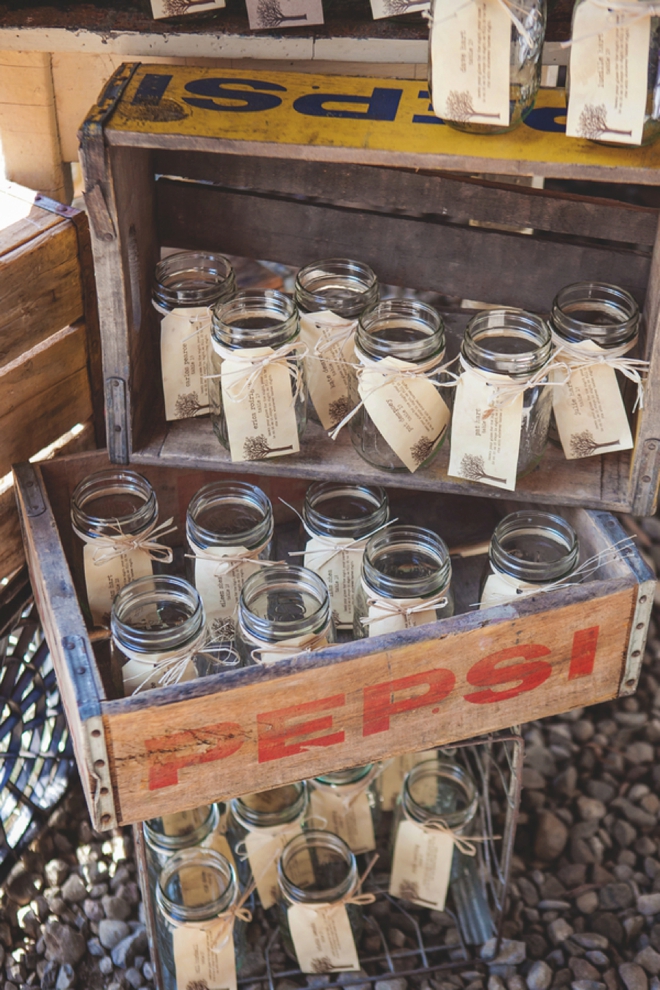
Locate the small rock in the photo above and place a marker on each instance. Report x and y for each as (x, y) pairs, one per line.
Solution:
(583, 730)
(254, 963)
(639, 752)
(511, 953)
(624, 833)
(608, 924)
(392, 983)
(588, 902)
(514, 983)
(615, 896)
(93, 910)
(396, 938)
(591, 809)
(56, 871)
(598, 958)
(66, 978)
(125, 952)
(649, 904)
(496, 982)
(649, 959)
(539, 976)
(537, 946)
(582, 969)
(559, 930)
(48, 974)
(134, 978)
(74, 890)
(587, 985)
(115, 908)
(111, 932)
(349, 980)
(63, 943)
(633, 976)
(633, 926)
(528, 892)
(19, 885)
(542, 760)
(601, 790)
(551, 836)
(590, 940)
(532, 779)
(94, 947)
(105, 965)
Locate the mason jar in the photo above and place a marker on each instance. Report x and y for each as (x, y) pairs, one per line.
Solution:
(349, 801)
(228, 525)
(158, 625)
(525, 65)
(184, 286)
(409, 331)
(257, 411)
(317, 867)
(336, 515)
(166, 836)
(106, 507)
(196, 888)
(283, 610)
(515, 345)
(529, 548)
(330, 296)
(404, 569)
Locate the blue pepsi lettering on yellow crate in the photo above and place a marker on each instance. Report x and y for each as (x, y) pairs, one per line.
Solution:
(381, 105)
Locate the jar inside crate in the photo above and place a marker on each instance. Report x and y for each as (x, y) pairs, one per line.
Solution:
(166, 836)
(349, 801)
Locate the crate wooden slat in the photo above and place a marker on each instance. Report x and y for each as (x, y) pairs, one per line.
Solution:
(180, 746)
(168, 163)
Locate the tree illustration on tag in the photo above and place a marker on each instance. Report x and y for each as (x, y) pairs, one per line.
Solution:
(460, 107)
(339, 408)
(472, 468)
(425, 446)
(275, 14)
(188, 405)
(584, 444)
(178, 8)
(257, 448)
(593, 123)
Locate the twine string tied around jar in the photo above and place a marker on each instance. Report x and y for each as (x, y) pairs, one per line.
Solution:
(333, 546)
(506, 389)
(350, 897)
(232, 561)
(221, 927)
(107, 546)
(613, 357)
(170, 667)
(246, 377)
(287, 650)
(467, 846)
(397, 606)
(337, 337)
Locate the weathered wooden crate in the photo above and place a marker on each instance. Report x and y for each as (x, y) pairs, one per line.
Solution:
(295, 168)
(50, 353)
(177, 747)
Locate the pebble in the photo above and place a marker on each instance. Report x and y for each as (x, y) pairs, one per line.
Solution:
(633, 976)
(116, 908)
(559, 930)
(134, 978)
(56, 871)
(63, 943)
(66, 978)
(551, 836)
(649, 959)
(587, 902)
(590, 808)
(539, 976)
(111, 932)
(73, 889)
(511, 952)
(93, 909)
(125, 951)
(393, 983)
(639, 752)
(615, 896)
(105, 965)
(649, 904)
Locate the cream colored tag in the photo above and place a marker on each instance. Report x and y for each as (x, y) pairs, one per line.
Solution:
(329, 374)
(184, 358)
(353, 821)
(176, 8)
(323, 939)
(500, 588)
(197, 966)
(470, 52)
(390, 8)
(261, 423)
(136, 674)
(390, 781)
(219, 586)
(104, 581)
(409, 413)
(385, 621)
(421, 866)
(589, 411)
(485, 439)
(340, 571)
(609, 68)
(297, 644)
(264, 848)
(218, 841)
(183, 822)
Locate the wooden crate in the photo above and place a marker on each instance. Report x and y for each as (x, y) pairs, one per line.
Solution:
(50, 353)
(177, 747)
(294, 177)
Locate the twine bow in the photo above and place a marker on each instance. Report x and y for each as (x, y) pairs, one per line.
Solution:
(169, 667)
(466, 846)
(613, 357)
(506, 390)
(350, 897)
(332, 545)
(108, 546)
(285, 649)
(402, 606)
(633, 11)
(254, 365)
(232, 560)
(221, 927)
(337, 337)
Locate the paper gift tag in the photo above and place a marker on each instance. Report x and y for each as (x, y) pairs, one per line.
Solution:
(392, 8)
(218, 841)
(184, 358)
(329, 374)
(409, 413)
(589, 411)
(391, 779)
(105, 580)
(219, 586)
(421, 866)
(277, 14)
(323, 939)
(262, 422)
(297, 645)
(177, 8)
(609, 68)
(264, 848)
(352, 822)
(470, 51)
(340, 571)
(501, 588)
(136, 674)
(485, 439)
(384, 621)
(197, 966)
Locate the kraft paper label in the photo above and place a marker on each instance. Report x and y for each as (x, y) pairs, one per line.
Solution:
(264, 848)
(609, 68)
(105, 580)
(470, 51)
(219, 586)
(385, 621)
(277, 14)
(323, 939)
(421, 866)
(177, 8)
(485, 439)
(353, 822)
(390, 781)
(340, 571)
(392, 8)
(329, 374)
(198, 966)
(589, 411)
(408, 412)
(184, 358)
(500, 588)
(261, 419)
(289, 647)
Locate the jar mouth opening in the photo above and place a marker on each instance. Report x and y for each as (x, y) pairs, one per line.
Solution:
(509, 342)
(268, 809)
(407, 329)
(161, 840)
(294, 615)
(421, 797)
(344, 286)
(111, 482)
(406, 562)
(551, 536)
(598, 311)
(219, 881)
(365, 508)
(316, 867)
(255, 318)
(350, 776)
(219, 495)
(190, 279)
(156, 613)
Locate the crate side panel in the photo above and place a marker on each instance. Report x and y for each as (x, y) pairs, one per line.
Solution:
(279, 730)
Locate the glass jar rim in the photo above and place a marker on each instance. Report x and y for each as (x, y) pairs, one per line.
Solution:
(492, 325)
(447, 770)
(406, 537)
(412, 313)
(358, 279)
(531, 521)
(218, 493)
(214, 273)
(152, 591)
(162, 842)
(113, 481)
(207, 859)
(251, 818)
(320, 492)
(271, 305)
(338, 778)
(579, 295)
(284, 577)
(329, 843)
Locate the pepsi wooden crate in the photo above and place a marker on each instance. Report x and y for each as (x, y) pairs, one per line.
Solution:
(177, 747)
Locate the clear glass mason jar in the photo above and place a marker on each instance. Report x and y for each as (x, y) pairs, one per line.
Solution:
(283, 611)
(524, 63)
(515, 344)
(207, 881)
(256, 318)
(226, 520)
(317, 867)
(438, 788)
(192, 279)
(529, 548)
(349, 801)
(340, 514)
(156, 623)
(164, 837)
(280, 810)
(408, 330)
(402, 567)
(110, 503)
